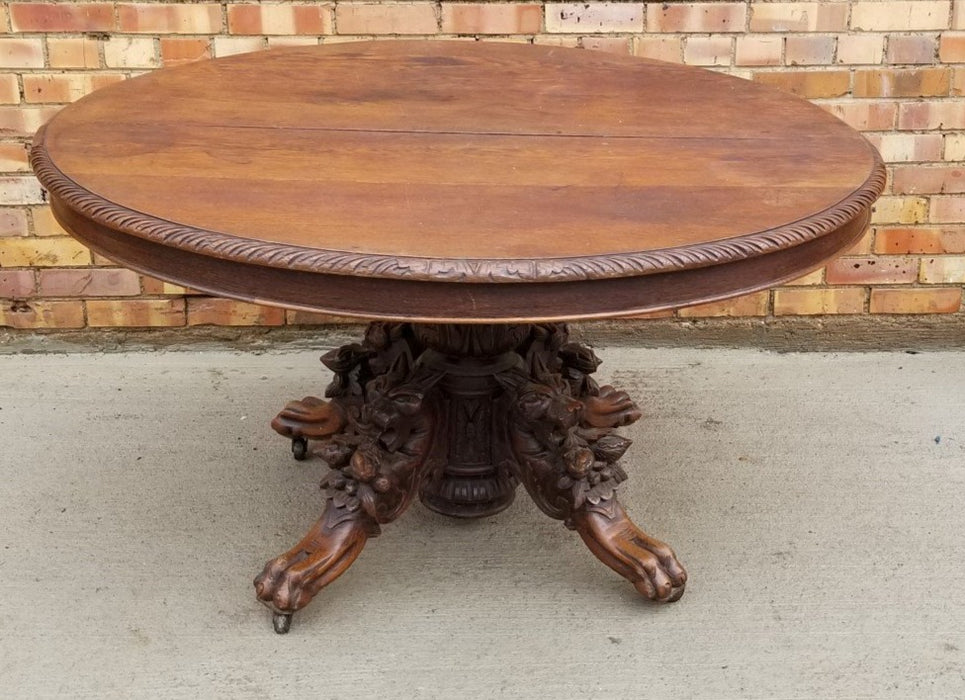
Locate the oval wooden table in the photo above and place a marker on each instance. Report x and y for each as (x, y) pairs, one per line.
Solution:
(472, 197)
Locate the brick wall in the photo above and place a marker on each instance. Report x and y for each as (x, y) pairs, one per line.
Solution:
(895, 69)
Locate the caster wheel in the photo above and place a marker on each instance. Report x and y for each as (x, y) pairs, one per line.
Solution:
(300, 448)
(281, 622)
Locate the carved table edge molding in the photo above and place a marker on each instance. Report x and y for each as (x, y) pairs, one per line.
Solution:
(596, 267)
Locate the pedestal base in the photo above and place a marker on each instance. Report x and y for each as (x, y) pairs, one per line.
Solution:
(462, 414)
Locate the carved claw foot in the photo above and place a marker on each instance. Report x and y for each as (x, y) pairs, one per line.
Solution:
(310, 418)
(290, 581)
(649, 564)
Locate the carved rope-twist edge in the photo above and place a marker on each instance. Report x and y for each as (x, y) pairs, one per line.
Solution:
(242, 250)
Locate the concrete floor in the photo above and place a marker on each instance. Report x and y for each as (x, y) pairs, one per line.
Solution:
(816, 499)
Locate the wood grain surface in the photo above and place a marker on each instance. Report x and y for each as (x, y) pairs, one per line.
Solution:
(456, 163)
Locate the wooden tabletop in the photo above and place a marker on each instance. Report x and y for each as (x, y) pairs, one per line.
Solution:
(457, 180)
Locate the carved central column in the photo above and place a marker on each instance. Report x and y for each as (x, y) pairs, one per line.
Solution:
(468, 476)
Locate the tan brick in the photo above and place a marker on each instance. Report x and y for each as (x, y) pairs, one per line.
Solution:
(701, 17)
(231, 45)
(571, 41)
(943, 270)
(143, 313)
(865, 115)
(88, 283)
(9, 89)
(44, 223)
(226, 312)
(42, 314)
(174, 52)
(169, 18)
(755, 304)
(590, 17)
(375, 18)
(900, 15)
(952, 47)
(818, 302)
(958, 14)
(810, 84)
(17, 189)
(73, 52)
(130, 52)
(808, 280)
(921, 179)
(916, 301)
(809, 50)
(13, 156)
(156, 287)
(61, 17)
(16, 284)
(758, 50)
(798, 17)
(920, 240)
(43, 252)
(21, 53)
(498, 18)
(899, 82)
(932, 114)
(65, 87)
(872, 270)
(661, 48)
(708, 50)
(954, 147)
(13, 222)
(24, 121)
(609, 44)
(915, 48)
(858, 49)
(277, 42)
(947, 209)
(862, 246)
(904, 148)
(899, 210)
(280, 18)
(957, 87)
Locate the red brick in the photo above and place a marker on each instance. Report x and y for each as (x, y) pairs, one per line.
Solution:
(809, 50)
(952, 47)
(170, 18)
(133, 313)
(13, 222)
(913, 48)
(374, 18)
(949, 209)
(920, 240)
(61, 17)
(943, 270)
(900, 15)
(277, 18)
(21, 53)
(590, 17)
(810, 84)
(934, 114)
(227, 312)
(798, 17)
(16, 284)
(865, 115)
(921, 179)
(748, 305)
(818, 301)
(916, 301)
(156, 287)
(701, 17)
(872, 270)
(902, 82)
(42, 314)
(177, 51)
(73, 52)
(500, 18)
(89, 283)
